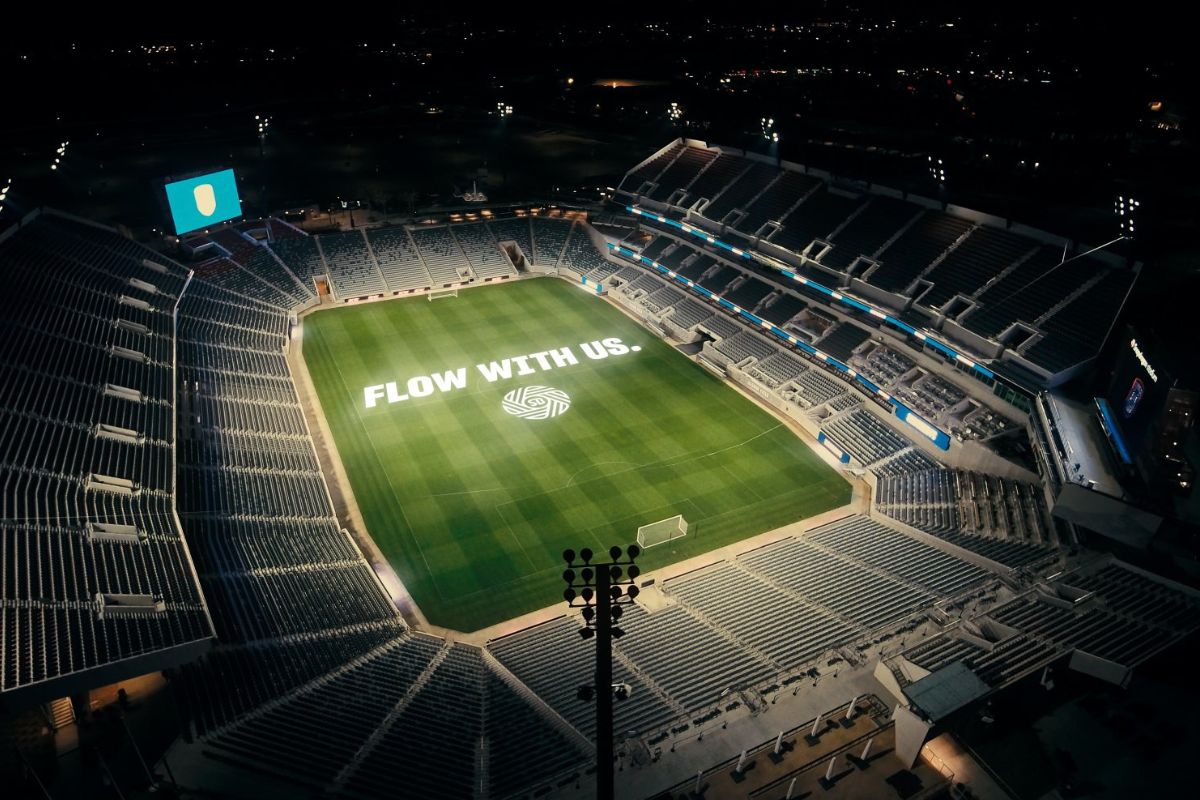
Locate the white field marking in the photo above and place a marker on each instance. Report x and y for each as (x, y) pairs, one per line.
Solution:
(468, 491)
(536, 402)
(517, 539)
(666, 462)
(693, 519)
(597, 464)
(687, 457)
(392, 489)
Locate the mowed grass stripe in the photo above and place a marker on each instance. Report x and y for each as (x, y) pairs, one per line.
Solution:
(473, 506)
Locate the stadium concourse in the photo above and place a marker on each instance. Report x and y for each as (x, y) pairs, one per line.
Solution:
(166, 509)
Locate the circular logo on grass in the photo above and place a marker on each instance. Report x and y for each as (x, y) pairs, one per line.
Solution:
(536, 402)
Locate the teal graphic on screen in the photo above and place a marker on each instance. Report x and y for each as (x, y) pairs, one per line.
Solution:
(206, 200)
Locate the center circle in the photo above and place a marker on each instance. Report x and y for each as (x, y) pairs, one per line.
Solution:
(536, 402)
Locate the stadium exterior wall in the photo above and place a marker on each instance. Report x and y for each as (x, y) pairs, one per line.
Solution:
(991, 220)
(960, 335)
(1040, 235)
(1108, 516)
(973, 455)
(925, 202)
(872, 292)
(885, 191)
(1102, 668)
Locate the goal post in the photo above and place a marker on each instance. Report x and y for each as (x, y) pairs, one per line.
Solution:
(440, 293)
(663, 531)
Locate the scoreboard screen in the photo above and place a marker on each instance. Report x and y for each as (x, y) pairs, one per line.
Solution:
(1138, 391)
(202, 201)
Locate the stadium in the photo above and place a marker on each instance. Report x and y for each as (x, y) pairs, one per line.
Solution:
(311, 486)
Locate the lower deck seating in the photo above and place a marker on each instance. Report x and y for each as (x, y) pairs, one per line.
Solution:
(885, 548)
(865, 437)
(852, 592)
(398, 259)
(352, 268)
(482, 251)
(786, 630)
(548, 657)
(692, 663)
(443, 257)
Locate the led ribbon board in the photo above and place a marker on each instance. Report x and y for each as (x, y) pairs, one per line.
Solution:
(206, 200)
(838, 296)
(940, 438)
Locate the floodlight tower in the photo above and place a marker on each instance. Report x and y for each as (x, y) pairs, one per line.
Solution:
(772, 137)
(59, 154)
(264, 126)
(1126, 209)
(937, 171)
(4, 192)
(768, 130)
(604, 587)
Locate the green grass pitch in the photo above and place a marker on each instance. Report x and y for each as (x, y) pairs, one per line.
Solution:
(473, 506)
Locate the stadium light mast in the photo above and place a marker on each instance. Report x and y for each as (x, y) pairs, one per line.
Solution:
(772, 137)
(264, 127)
(59, 155)
(937, 170)
(603, 588)
(768, 130)
(1126, 209)
(675, 114)
(4, 193)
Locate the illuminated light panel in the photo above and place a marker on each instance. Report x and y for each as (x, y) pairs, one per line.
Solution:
(205, 200)
(923, 427)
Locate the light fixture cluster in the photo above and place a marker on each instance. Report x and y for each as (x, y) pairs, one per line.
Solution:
(768, 130)
(264, 125)
(59, 155)
(675, 112)
(583, 586)
(1126, 210)
(937, 169)
(503, 109)
(4, 193)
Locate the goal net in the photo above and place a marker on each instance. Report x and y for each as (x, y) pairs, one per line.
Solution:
(438, 295)
(665, 530)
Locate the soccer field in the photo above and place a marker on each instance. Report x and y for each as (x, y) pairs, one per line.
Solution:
(473, 504)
